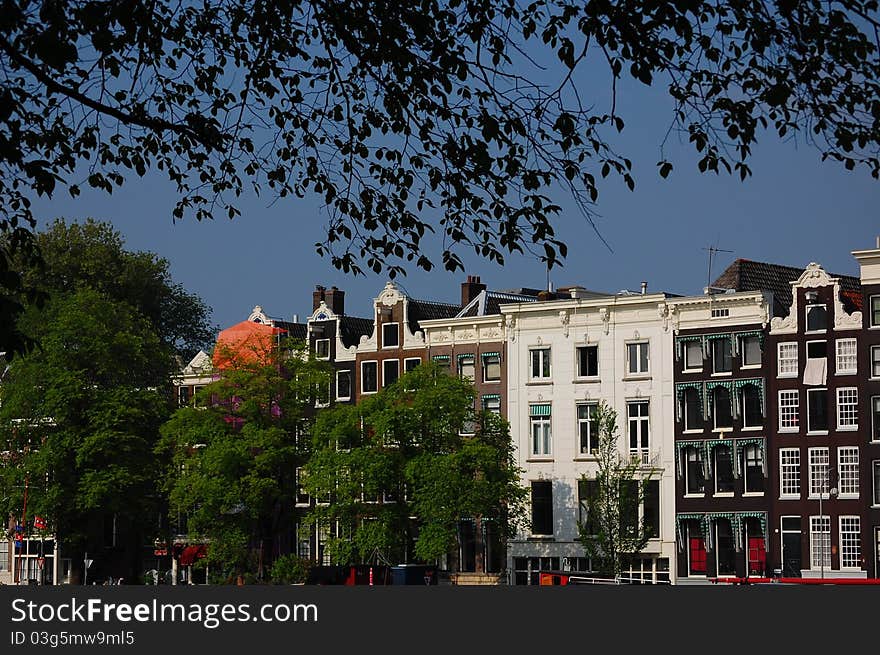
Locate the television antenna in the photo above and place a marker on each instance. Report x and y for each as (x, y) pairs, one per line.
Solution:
(713, 250)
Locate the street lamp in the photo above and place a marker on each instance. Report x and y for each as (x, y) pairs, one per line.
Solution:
(831, 492)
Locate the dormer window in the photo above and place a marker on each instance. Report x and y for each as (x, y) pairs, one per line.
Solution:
(817, 318)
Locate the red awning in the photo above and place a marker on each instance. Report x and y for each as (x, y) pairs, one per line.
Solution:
(191, 553)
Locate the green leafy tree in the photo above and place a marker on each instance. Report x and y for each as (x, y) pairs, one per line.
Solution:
(401, 453)
(234, 457)
(612, 532)
(79, 418)
(409, 119)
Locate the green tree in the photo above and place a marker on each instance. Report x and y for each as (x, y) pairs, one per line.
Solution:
(612, 532)
(401, 453)
(79, 418)
(407, 119)
(233, 458)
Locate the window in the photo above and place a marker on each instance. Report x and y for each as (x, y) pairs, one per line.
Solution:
(848, 471)
(693, 356)
(875, 311)
(540, 358)
(588, 492)
(722, 361)
(848, 408)
(817, 410)
(875, 418)
(876, 466)
(343, 385)
(720, 313)
(390, 335)
(588, 428)
(850, 546)
(587, 361)
(723, 469)
(322, 348)
(789, 473)
(4, 554)
(787, 360)
(817, 318)
(410, 363)
(820, 542)
(491, 367)
(819, 472)
(184, 394)
(539, 417)
(750, 350)
(847, 359)
(390, 371)
(875, 361)
(695, 482)
(752, 414)
(788, 411)
(542, 507)
(369, 377)
(753, 469)
(467, 367)
(721, 409)
(693, 415)
(637, 358)
(197, 398)
(651, 508)
(637, 416)
(492, 403)
(302, 498)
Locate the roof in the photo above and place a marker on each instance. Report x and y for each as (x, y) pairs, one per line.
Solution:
(294, 330)
(488, 303)
(426, 310)
(352, 328)
(746, 275)
(245, 342)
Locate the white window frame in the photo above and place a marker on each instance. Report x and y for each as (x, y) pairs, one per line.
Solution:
(759, 459)
(742, 352)
(638, 346)
(577, 360)
(396, 335)
(850, 539)
(589, 423)
(789, 471)
(875, 362)
(819, 550)
(715, 476)
(473, 363)
(875, 477)
(348, 373)
(544, 361)
(814, 390)
(364, 377)
(787, 364)
(644, 436)
(873, 300)
(407, 360)
(875, 419)
(544, 446)
(713, 343)
(486, 408)
(693, 454)
(297, 494)
(819, 483)
(847, 409)
(684, 413)
(743, 413)
(484, 368)
(789, 393)
(846, 356)
(807, 309)
(318, 354)
(848, 471)
(397, 364)
(686, 367)
(715, 426)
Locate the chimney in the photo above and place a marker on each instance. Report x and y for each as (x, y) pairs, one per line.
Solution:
(317, 297)
(335, 299)
(471, 289)
(545, 295)
(644, 288)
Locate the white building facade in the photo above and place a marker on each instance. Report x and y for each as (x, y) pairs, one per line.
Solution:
(564, 357)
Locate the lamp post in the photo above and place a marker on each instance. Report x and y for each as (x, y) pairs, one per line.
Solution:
(831, 492)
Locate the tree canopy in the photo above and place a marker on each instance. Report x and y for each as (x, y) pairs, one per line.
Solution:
(453, 117)
(395, 475)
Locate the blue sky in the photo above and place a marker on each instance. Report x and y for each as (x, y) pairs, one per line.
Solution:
(794, 210)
